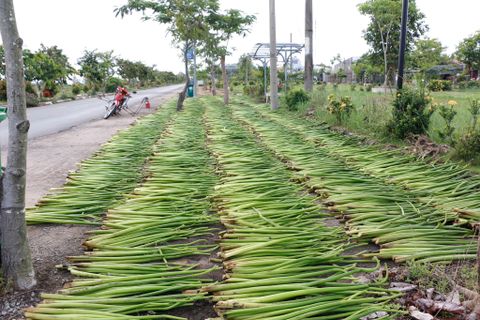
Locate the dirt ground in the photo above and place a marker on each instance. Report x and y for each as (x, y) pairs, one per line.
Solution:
(50, 159)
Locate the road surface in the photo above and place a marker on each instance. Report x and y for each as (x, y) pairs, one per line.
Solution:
(55, 118)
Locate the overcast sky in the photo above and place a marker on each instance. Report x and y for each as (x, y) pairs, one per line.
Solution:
(76, 25)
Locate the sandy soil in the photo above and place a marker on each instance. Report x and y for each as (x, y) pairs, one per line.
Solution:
(50, 159)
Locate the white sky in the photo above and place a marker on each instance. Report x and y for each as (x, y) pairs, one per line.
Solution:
(75, 25)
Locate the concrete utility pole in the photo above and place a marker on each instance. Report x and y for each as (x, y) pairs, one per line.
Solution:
(403, 38)
(308, 46)
(273, 59)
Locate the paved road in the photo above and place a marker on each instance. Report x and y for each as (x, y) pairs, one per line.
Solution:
(62, 116)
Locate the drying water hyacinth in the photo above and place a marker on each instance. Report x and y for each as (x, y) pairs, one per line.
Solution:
(283, 262)
(104, 178)
(147, 259)
(404, 225)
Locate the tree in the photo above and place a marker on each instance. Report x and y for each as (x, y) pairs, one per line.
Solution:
(468, 51)
(245, 68)
(426, 54)
(223, 27)
(16, 258)
(186, 20)
(383, 31)
(48, 67)
(97, 67)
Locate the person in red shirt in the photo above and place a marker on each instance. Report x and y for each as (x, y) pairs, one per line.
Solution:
(120, 96)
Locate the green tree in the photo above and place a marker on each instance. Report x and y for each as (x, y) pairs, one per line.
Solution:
(225, 26)
(468, 51)
(97, 67)
(426, 54)
(245, 68)
(383, 31)
(186, 20)
(48, 67)
(16, 259)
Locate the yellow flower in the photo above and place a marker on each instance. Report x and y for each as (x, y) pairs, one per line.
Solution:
(452, 103)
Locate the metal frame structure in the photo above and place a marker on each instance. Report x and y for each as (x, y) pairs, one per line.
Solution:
(261, 52)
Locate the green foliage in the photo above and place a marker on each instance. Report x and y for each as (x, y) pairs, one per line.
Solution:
(340, 108)
(96, 67)
(3, 90)
(296, 96)
(76, 88)
(112, 84)
(470, 84)
(254, 89)
(426, 54)
(469, 51)
(440, 85)
(448, 114)
(467, 147)
(411, 113)
(383, 30)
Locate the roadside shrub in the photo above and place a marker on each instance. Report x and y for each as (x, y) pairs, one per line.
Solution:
(254, 90)
(467, 147)
(29, 88)
(412, 110)
(353, 86)
(448, 114)
(440, 85)
(369, 88)
(112, 84)
(32, 100)
(296, 96)
(341, 108)
(470, 84)
(76, 88)
(3, 90)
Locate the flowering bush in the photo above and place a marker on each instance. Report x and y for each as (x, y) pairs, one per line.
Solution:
(411, 113)
(340, 108)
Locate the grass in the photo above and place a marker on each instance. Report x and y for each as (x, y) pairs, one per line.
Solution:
(373, 110)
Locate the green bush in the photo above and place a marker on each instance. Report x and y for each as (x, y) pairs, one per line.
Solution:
(470, 84)
(353, 86)
(32, 100)
(440, 85)
(76, 88)
(3, 90)
(369, 88)
(467, 146)
(340, 108)
(29, 88)
(296, 96)
(112, 84)
(411, 113)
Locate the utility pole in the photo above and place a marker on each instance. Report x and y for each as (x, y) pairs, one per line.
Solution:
(403, 38)
(273, 59)
(308, 46)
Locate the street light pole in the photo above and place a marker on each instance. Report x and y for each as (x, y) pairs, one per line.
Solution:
(403, 40)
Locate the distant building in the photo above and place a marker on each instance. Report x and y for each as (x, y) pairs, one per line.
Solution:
(347, 67)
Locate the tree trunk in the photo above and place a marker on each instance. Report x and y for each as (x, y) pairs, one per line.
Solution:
(226, 97)
(183, 93)
(214, 81)
(273, 59)
(16, 259)
(308, 47)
